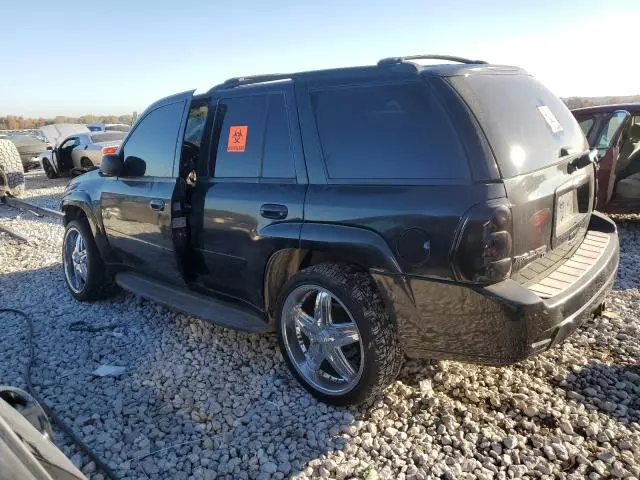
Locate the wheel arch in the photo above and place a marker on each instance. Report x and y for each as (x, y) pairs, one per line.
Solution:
(327, 243)
(77, 205)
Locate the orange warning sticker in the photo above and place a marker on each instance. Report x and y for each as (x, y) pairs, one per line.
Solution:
(237, 138)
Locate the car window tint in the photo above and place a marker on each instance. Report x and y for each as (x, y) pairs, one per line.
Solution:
(609, 130)
(255, 140)
(240, 145)
(277, 161)
(586, 124)
(195, 124)
(387, 132)
(154, 141)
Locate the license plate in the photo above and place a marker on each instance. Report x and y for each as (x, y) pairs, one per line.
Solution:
(565, 212)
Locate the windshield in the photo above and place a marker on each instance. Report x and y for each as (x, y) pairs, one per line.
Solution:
(527, 126)
(24, 140)
(107, 137)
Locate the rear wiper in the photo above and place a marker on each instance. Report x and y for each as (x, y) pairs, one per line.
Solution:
(580, 162)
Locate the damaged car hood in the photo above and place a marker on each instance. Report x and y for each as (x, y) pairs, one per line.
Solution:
(59, 131)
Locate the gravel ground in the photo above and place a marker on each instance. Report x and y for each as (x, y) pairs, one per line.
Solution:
(198, 401)
(43, 191)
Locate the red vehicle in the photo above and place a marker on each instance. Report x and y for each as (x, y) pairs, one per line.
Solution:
(614, 130)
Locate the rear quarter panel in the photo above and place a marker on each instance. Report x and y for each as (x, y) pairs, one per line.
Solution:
(406, 217)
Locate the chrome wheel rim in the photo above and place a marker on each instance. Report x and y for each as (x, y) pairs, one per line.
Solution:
(322, 340)
(75, 259)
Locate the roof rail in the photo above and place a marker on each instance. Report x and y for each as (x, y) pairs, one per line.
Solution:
(238, 81)
(385, 62)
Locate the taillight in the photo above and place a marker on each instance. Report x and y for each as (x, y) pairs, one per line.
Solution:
(109, 150)
(483, 246)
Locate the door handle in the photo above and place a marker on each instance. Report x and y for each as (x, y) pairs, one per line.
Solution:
(274, 211)
(156, 205)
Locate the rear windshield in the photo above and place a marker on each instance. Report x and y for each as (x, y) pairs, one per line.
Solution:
(107, 137)
(527, 125)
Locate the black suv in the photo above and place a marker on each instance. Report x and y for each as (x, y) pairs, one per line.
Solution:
(363, 214)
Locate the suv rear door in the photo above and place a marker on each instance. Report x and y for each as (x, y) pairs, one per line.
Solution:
(248, 201)
(136, 207)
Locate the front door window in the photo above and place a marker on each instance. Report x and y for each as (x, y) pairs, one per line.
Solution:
(609, 131)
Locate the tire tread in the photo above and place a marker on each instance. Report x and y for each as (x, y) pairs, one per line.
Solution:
(11, 169)
(388, 356)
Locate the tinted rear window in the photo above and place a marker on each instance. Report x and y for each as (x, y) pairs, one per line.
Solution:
(525, 123)
(387, 132)
(107, 137)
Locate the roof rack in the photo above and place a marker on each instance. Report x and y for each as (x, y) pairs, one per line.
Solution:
(238, 81)
(385, 62)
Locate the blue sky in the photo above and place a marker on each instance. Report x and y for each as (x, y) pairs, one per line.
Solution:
(113, 56)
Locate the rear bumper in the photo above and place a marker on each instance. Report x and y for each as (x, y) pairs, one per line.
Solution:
(501, 323)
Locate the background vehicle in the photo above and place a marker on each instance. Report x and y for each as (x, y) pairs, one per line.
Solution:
(11, 169)
(29, 147)
(109, 127)
(27, 450)
(80, 152)
(614, 130)
(363, 213)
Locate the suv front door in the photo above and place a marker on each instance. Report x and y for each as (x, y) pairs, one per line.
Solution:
(608, 142)
(63, 154)
(249, 203)
(136, 207)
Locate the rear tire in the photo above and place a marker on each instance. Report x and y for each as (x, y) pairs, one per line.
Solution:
(84, 271)
(11, 169)
(336, 367)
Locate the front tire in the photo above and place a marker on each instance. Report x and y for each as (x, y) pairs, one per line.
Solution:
(336, 335)
(48, 169)
(84, 270)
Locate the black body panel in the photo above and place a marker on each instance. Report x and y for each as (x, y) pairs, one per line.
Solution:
(236, 240)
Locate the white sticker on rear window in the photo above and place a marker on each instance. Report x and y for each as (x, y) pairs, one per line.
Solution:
(550, 118)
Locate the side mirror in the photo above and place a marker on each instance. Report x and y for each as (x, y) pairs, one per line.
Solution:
(49, 147)
(133, 167)
(111, 165)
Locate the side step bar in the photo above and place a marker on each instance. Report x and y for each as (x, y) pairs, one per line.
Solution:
(192, 303)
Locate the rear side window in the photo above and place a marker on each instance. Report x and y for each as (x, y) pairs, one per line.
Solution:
(526, 125)
(387, 132)
(154, 142)
(254, 139)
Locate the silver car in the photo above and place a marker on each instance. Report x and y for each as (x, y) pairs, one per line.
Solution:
(80, 152)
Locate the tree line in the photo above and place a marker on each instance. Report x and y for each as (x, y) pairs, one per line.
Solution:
(14, 122)
(579, 102)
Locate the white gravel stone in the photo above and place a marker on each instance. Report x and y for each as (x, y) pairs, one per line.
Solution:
(200, 401)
